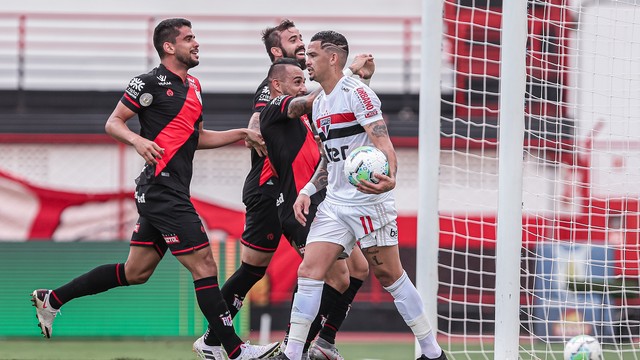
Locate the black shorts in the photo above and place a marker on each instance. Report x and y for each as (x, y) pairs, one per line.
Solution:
(262, 230)
(295, 233)
(167, 220)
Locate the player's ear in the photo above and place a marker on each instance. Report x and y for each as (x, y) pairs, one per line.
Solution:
(276, 51)
(168, 48)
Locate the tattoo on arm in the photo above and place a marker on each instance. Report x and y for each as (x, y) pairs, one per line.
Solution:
(254, 122)
(380, 129)
(320, 178)
(297, 108)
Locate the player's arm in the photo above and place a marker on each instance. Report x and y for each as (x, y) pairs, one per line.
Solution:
(210, 139)
(318, 181)
(254, 124)
(362, 66)
(302, 105)
(379, 136)
(116, 128)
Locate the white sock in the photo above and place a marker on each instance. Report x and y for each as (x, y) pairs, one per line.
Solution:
(409, 304)
(305, 307)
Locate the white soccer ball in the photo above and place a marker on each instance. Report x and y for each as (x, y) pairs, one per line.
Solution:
(363, 162)
(583, 347)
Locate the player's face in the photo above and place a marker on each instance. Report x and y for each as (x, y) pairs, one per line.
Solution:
(293, 84)
(186, 48)
(317, 61)
(292, 46)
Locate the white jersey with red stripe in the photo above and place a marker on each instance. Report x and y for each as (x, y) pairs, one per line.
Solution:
(339, 118)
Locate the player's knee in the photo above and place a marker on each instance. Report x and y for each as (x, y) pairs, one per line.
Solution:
(386, 276)
(359, 269)
(306, 271)
(138, 277)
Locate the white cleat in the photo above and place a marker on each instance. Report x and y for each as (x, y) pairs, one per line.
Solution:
(323, 350)
(257, 351)
(44, 312)
(208, 352)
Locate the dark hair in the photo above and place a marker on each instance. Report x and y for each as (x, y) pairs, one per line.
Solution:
(167, 31)
(271, 35)
(277, 68)
(330, 38)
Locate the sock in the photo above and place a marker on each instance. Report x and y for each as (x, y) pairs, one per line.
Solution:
(215, 310)
(329, 298)
(306, 304)
(339, 311)
(98, 280)
(286, 333)
(234, 291)
(409, 304)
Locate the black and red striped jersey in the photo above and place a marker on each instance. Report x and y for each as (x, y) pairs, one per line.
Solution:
(261, 179)
(293, 150)
(170, 112)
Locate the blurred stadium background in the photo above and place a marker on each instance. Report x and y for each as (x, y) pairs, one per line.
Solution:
(66, 188)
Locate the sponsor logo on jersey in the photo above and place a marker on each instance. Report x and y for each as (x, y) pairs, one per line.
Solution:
(364, 98)
(265, 95)
(163, 80)
(139, 197)
(171, 238)
(277, 101)
(280, 200)
(136, 84)
(136, 228)
(371, 114)
(146, 99)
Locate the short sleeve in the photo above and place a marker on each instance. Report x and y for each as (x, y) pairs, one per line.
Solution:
(134, 95)
(366, 105)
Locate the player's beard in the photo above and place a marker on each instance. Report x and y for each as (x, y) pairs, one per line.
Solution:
(187, 60)
(302, 62)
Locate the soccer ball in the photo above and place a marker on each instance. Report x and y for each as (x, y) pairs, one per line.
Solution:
(583, 347)
(363, 162)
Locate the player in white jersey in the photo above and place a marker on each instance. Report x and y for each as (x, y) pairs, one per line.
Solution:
(347, 115)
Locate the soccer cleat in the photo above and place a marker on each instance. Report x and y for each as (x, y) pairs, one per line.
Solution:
(441, 357)
(208, 352)
(249, 351)
(44, 312)
(323, 350)
(280, 356)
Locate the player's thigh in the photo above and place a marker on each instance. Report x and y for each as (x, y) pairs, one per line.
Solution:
(255, 257)
(338, 276)
(385, 263)
(318, 258)
(200, 263)
(262, 229)
(296, 233)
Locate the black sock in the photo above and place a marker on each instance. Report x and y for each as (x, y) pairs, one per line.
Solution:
(98, 280)
(339, 311)
(215, 310)
(329, 298)
(234, 291)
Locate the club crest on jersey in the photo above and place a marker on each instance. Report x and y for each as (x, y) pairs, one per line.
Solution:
(323, 125)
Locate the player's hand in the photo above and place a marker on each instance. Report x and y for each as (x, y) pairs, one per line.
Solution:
(363, 66)
(301, 208)
(149, 150)
(255, 140)
(385, 183)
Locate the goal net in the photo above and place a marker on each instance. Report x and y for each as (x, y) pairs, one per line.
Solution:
(581, 177)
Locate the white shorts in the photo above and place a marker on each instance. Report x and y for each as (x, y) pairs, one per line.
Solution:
(370, 225)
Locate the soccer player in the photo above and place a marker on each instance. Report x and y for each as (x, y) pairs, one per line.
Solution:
(169, 106)
(347, 115)
(263, 228)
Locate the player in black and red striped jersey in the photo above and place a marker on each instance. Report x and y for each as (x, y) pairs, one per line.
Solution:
(169, 106)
